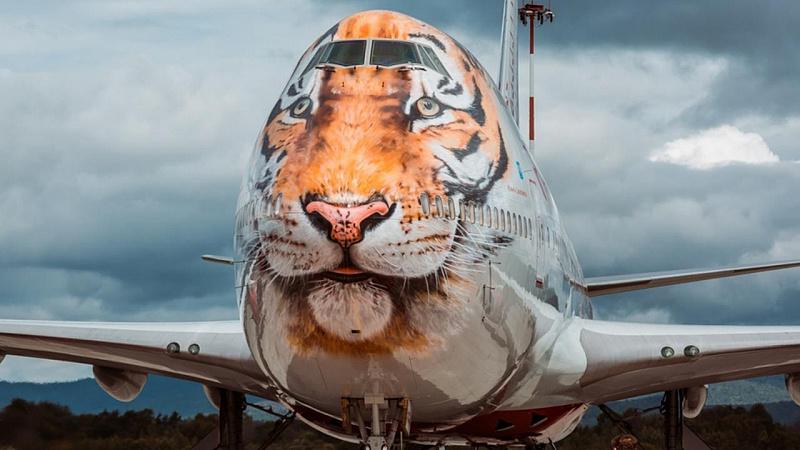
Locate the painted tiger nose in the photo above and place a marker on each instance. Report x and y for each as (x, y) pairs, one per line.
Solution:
(346, 223)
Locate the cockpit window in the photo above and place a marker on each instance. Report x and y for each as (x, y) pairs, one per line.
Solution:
(383, 52)
(316, 59)
(426, 59)
(345, 53)
(430, 59)
(393, 53)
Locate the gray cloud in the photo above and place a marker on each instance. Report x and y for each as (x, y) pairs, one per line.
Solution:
(599, 122)
(759, 39)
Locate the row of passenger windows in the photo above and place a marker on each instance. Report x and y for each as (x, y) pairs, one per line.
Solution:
(381, 53)
(437, 206)
(483, 215)
(499, 219)
(267, 208)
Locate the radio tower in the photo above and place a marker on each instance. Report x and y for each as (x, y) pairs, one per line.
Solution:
(532, 15)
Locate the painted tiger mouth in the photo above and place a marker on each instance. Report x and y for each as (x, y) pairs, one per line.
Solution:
(347, 273)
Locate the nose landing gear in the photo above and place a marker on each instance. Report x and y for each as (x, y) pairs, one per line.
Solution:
(387, 417)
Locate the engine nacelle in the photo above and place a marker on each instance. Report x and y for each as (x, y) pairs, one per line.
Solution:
(793, 386)
(122, 385)
(694, 399)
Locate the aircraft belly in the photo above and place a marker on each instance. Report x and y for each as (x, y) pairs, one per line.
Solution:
(463, 375)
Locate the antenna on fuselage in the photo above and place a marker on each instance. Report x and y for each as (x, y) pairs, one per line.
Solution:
(531, 14)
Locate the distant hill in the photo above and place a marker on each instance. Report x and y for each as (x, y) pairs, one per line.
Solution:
(34, 426)
(748, 392)
(161, 394)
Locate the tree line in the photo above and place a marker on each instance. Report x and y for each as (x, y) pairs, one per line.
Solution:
(32, 426)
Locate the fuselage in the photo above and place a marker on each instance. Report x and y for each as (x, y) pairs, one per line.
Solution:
(398, 239)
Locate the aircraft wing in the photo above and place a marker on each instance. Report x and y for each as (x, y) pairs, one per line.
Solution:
(623, 283)
(629, 359)
(222, 360)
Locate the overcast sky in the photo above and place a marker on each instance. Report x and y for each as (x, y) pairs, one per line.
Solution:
(668, 131)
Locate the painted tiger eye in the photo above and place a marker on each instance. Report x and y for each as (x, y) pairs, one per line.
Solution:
(301, 107)
(428, 107)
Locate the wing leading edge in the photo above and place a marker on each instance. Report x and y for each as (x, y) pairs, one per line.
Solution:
(596, 287)
(223, 359)
(630, 359)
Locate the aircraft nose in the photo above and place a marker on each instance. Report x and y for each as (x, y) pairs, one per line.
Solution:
(345, 224)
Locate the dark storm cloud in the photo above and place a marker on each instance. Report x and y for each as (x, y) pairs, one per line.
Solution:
(758, 38)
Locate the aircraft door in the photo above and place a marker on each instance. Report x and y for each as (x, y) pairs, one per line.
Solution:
(540, 247)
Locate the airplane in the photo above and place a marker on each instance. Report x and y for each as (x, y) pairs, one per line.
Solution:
(402, 273)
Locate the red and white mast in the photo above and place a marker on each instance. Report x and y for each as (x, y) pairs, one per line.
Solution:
(531, 15)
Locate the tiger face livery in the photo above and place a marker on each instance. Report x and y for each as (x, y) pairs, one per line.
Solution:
(357, 245)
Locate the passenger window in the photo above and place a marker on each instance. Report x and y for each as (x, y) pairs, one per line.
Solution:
(346, 53)
(392, 53)
(451, 207)
(267, 207)
(276, 207)
(425, 203)
(502, 221)
(514, 223)
(439, 206)
(488, 216)
(496, 220)
(471, 212)
(316, 59)
(462, 210)
(508, 221)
